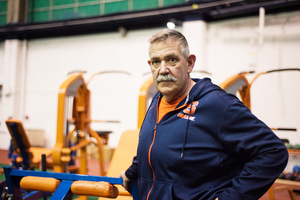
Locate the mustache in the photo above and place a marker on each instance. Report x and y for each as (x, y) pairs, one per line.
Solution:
(167, 77)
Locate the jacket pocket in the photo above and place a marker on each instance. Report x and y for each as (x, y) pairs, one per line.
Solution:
(160, 190)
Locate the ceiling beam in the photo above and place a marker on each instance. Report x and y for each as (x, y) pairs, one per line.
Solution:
(206, 10)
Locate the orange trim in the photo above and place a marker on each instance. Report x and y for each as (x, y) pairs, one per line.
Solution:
(150, 148)
(149, 153)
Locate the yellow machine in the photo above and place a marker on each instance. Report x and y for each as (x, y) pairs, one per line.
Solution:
(74, 91)
(73, 111)
(74, 96)
(73, 117)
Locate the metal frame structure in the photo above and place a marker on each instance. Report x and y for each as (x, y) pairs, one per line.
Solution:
(63, 191)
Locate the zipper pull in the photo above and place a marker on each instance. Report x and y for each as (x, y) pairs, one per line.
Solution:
(155, 126)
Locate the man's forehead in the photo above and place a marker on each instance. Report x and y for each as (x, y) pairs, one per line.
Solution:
(165, 42)
(159, 49)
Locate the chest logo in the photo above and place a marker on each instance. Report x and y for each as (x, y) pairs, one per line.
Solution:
(189, 111)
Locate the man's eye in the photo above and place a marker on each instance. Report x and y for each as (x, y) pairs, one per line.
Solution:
(173, 60)
(155, 62)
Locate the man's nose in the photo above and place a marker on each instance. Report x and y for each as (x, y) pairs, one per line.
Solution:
(164, 68)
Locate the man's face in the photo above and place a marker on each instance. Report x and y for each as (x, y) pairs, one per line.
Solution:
(166, 59)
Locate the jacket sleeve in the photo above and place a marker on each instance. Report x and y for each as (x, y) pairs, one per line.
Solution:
(132, 172)
(263, 154)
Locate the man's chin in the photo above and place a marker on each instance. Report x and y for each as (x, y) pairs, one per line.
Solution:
(165, 89)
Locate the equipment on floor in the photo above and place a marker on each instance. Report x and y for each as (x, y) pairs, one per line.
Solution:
(62, 185)
(27, 157)
(73, 117)
(28, 184)
(122, 159)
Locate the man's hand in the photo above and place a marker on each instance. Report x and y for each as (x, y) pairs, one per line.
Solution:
(125, 180)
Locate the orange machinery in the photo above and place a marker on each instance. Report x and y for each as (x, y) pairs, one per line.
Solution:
(73, 111)
(239, 83)
(73, 91)
(74, 88)
(74, 95)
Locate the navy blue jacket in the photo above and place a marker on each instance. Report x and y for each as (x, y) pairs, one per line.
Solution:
(210, 146)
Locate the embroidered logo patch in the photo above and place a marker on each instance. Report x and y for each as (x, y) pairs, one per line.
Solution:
(189, 111)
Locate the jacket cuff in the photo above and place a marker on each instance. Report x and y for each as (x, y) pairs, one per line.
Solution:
(130, 175)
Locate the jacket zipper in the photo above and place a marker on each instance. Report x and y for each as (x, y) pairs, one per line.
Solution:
(149, 152)
(150, 148)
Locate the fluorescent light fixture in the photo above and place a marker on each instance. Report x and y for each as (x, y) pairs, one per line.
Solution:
(171, 25)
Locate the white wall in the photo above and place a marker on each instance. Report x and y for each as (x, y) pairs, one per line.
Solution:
(2, 125)
(231, 47)
(1, 61)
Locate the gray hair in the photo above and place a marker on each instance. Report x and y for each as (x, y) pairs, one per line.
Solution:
(173, 35)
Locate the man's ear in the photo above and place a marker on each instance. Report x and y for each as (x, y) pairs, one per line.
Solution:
(149, 63)
(191, 63)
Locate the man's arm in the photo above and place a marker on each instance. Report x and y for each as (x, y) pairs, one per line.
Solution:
(262, 152)
(125, 180)
(130, 174)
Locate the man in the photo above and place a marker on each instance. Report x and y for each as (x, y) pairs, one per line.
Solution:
(197, 141)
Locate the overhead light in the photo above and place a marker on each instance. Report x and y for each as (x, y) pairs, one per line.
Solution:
(172, 23)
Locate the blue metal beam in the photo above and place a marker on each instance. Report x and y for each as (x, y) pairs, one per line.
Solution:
(13, 177)
(63, 191)
(62, 176)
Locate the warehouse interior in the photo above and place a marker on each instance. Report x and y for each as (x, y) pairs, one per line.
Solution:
(42, 42)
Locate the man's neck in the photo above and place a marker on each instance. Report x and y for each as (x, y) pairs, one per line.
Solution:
(184, 92)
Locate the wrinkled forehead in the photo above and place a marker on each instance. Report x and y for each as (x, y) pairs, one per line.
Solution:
(175, 44)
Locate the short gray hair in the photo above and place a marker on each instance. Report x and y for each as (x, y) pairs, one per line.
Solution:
(173, 35)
